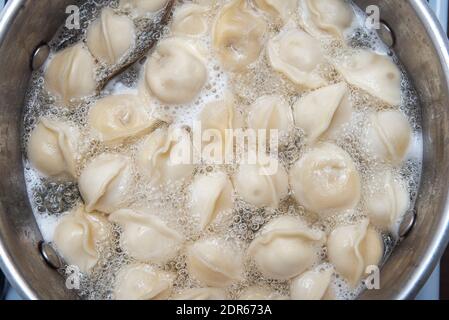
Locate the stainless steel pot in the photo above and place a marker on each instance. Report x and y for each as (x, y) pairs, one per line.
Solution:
(422, 47)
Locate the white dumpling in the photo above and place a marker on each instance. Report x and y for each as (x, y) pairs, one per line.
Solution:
(323, 112)
(142, 7)
(166, 156)
(297, 56)
(207, 293)
(388, 136)
(326, 181)
(70, 74)
(238, 35)
(176, 71)
(118, 117)
(313, 285)
(326, 17)
(106, 182)
(260, 293)
(80, 237)
(257, 185)
(210, 197)
(283, 9)
(376, 74)
(387, 201)
(190, 19)
(285, 248)
(146, 237)
(110, 37)
(215, 262)
(53, 148)
(143, 282)
(270, 113)
(352, 248)
(215, 118)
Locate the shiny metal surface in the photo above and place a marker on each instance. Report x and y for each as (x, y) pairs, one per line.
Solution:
(422, 48)
(39, 56)
(50, 255)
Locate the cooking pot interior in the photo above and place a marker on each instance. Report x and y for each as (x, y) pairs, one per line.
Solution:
(421, 49)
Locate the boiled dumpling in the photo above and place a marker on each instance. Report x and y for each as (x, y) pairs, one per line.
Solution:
(388, 136)
(283, 9)
(374, 73)
(270, 113)
(260, 293)
(141, 7)
(323, 112)
(143, 282)
(285, 248)
(215, 262)
(325, 180)
(146, 237)
(166, 156)
(106, 182)
(298, 56)
(53, 148)
(176, 71)
(352, 248)
(215, 118)
(238, 35)
(117, 117)
(111, 36)
(70, 74)
(210, 196)
(326, 17)
(201, 294)
(80, 237)
(262, 184)
(387, 201)
(313, 285)
(190, 19)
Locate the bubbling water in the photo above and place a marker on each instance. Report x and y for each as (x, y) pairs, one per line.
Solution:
(50, 199)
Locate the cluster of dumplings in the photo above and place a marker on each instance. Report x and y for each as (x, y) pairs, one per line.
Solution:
(325, 180)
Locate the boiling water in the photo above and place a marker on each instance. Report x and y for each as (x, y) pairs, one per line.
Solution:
(51, 199)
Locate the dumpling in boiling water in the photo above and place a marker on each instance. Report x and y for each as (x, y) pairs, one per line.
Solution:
(238, 35)
(215, 118)
(70, 74)
(53, 148)
(190, 19)
(270, 113)
(297, 56)
(376, 74)
(207, 293)
(176, 71)
(326, 17)
(146, 237)
(323, 112)
(142, 7)
(260, 293)
(215, 262)
(352, 248)
(80, 237)
(115, 118)
(263, 184)
(210, 196)
(105, 183)
(388, 136)
(283, 9)
(143, 282)
(325, 180)
(313, 285)
(387, 201)
(111, 36)
(285, 248)
(166, 156)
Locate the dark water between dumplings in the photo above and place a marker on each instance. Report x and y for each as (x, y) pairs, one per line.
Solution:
(50, 200)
